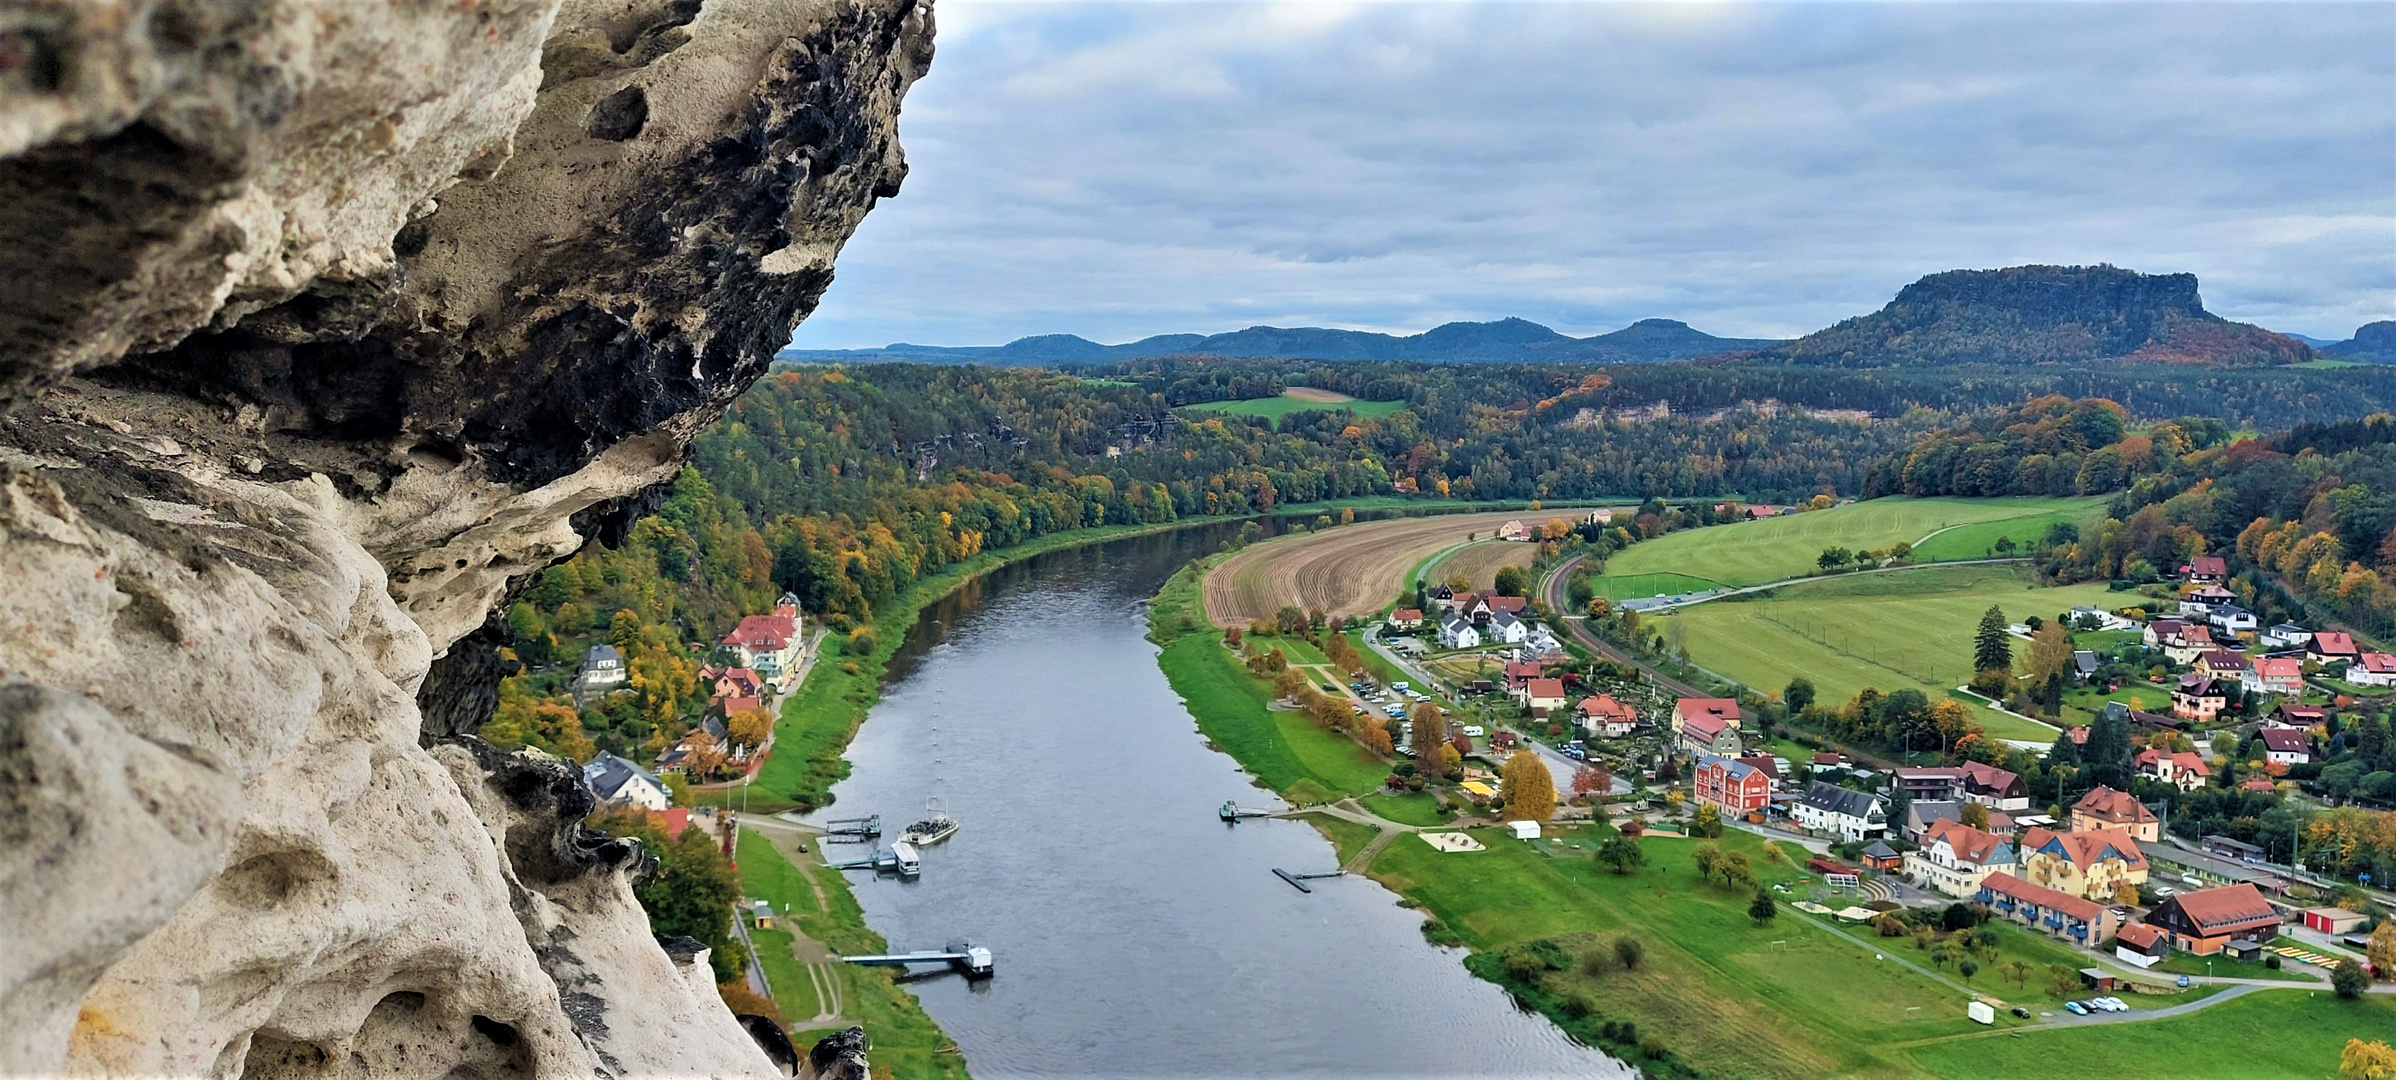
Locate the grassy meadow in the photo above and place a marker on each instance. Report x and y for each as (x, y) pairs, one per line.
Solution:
(1905, 630)
(2268, 1035)
(1773, 549)
(1274, 408)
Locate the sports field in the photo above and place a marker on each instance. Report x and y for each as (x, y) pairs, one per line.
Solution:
(1479, 562)
(1347, 571)
(1298, 399)
(1910, 629)
(1756, 552)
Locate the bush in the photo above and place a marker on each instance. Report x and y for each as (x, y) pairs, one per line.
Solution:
(1576, 1005)
(1651, 1048)
(862, 641)
(1594, 964)
(2349, 981)
(1628, 951)
(2272, 961)
(1523, 967)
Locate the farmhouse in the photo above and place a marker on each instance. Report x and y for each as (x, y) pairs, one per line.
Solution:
(1406, 618)
(2204, 921)
(1954, 858)
(2275, 675)
(2104, 808)
(1855, 816)
(2040, 908)
(2089, 864)
(2371, 669)
(2184, 770)
(1458, 633)
(2207, 568)
(1602, 715)
(2288, 746)
(1513, 530)
(1734, 786)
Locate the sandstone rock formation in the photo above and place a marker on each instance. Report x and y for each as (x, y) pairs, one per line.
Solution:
(328, 321)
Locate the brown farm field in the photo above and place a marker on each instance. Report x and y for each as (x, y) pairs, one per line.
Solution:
(1480, 562)
(1309, 393)
(1348, 571)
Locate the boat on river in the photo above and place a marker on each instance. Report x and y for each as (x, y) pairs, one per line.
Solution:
(936, 826)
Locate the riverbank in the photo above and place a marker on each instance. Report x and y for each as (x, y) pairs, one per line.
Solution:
(1713, 992)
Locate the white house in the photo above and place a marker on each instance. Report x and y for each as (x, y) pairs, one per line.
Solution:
(1954, 858)
(2103, 619)
(603, 668)
(771, 645)
(618, 782)
(2287, 636)
(2288, 746)
(2372, 669)
(1855, 816)
(2273, 675)
(2232, 619)
(1505, 629)
(1457, 633)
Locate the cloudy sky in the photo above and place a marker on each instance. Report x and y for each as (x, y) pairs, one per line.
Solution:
(1123, 169)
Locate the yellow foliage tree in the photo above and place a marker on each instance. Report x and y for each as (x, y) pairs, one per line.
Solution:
(2050, 652)
(1527, 787)
(750, 727)
(2373, 1060)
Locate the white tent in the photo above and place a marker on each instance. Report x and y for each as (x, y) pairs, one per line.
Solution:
(1524, 830)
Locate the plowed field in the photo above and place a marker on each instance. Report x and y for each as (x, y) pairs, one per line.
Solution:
(1480, 562)
(1347, 571)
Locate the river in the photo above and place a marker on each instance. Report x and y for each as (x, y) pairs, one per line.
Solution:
(1135, 934)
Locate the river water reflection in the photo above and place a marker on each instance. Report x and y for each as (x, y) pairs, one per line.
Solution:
(1135, 934)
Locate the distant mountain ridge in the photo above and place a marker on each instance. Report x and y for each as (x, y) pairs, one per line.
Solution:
(1505, 340)
(2372, 342)
(2043, 315)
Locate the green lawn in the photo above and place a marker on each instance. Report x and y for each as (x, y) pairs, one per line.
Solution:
(1274, 408)
(1731, 998)
(1407, 809)
(2081, 705)
(1284, 749)
(1979, 540)
(2292, 1034)
(1614, 586)
(794, 992)
(904, 1039)
(1294, 649)
(1907, 630)
(1347, 837)
(2180, 963)
(1755, 552)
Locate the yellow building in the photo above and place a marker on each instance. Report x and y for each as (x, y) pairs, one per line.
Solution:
(2093, 865)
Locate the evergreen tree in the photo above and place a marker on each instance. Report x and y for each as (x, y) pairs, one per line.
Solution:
(1992, 648)
(1762, 909)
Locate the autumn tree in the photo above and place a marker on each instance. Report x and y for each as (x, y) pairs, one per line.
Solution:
(1290, 619)
(693, 889)
(1512, 581)
(1707, 857)
(1430, 734)
(1451, 763)
(1708, 822)
(1289, 683)
(704, 755)
(750, 727)
(1592, 780)
(2382, 948)
(1975, 815)
(1527, 787)
(2372, 1060)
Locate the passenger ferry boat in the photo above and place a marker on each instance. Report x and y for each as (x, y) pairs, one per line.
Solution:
(936, 826)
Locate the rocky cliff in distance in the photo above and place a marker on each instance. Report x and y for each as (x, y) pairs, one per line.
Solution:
(2043, 315)
(2372, 343)
(329, 321)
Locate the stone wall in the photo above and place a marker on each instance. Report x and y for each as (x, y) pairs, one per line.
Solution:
(330, 321)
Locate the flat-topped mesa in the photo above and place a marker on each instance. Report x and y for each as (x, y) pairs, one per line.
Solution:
(335, 320)
(2043, 314)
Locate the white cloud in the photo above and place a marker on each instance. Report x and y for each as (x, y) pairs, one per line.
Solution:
(1124, 169)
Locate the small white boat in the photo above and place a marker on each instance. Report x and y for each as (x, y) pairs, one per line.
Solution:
(908, 862)
(936, 826)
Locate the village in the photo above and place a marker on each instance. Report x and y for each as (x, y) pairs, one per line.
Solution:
(2198, 700)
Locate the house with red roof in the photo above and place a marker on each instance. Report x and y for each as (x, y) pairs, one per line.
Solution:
(1519, 674)
(2371, 669)
(2052, 911)
(2275, 675)
(1734, 786)
(2204, 921)
(2185, 770)
(1955, 858)
(1602, 715)
(2199, 698)
(1543, 696)
(1995, 788)
(2094, 864)
(2104, 808)
(1406, 618)
(1707, 725)
(2141, 945)
(770, 645)
(2332, 645)
(2207, 569)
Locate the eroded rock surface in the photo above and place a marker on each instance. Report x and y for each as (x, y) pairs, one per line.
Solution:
(328, 321)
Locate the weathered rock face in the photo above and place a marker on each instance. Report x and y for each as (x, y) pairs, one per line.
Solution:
(328, 320)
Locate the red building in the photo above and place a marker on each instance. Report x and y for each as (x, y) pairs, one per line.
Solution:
(1735, 786)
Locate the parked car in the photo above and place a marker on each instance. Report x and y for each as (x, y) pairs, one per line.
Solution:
(2076, 1008)
(2021, 1013)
